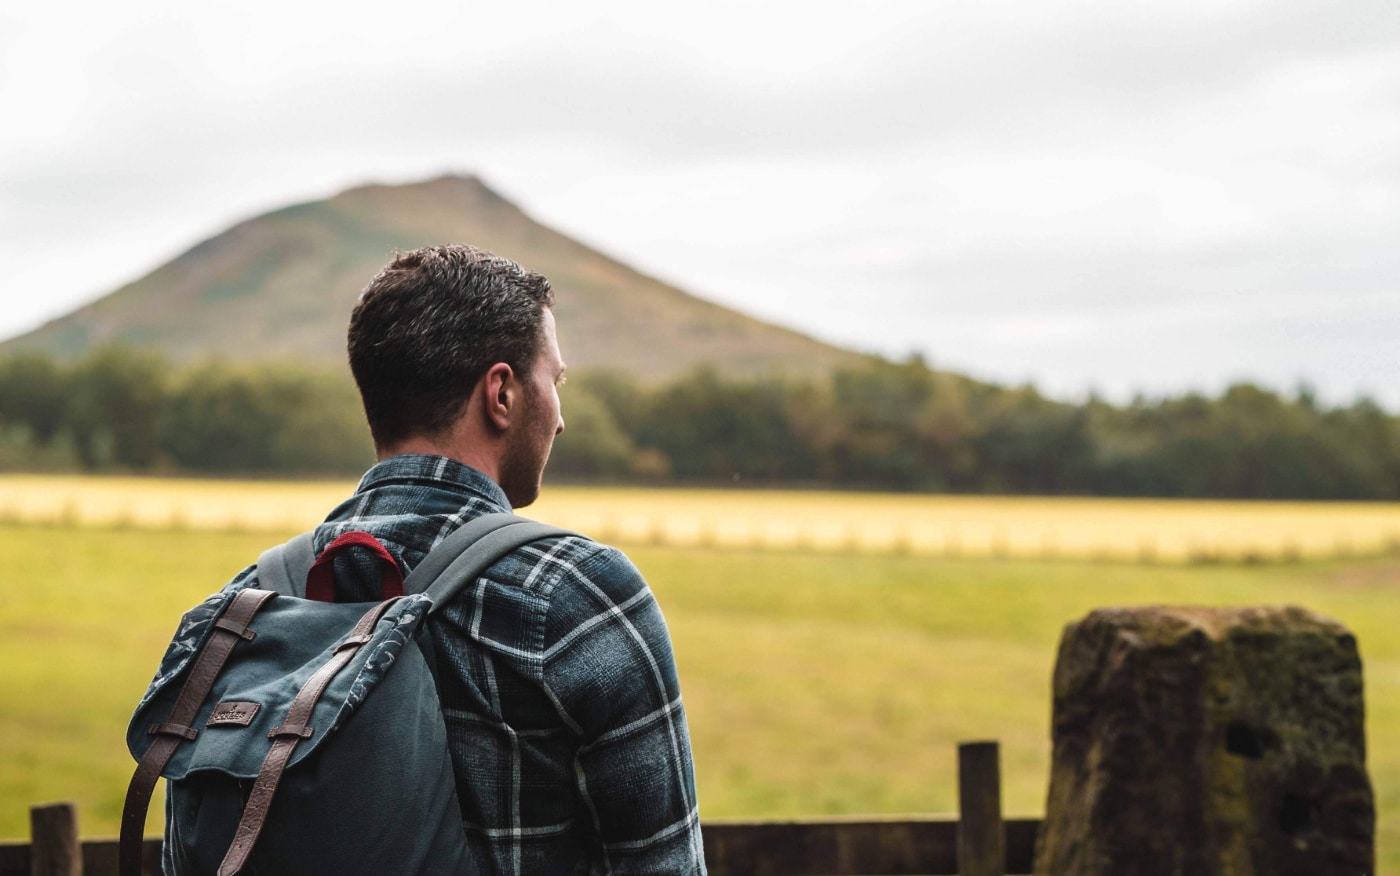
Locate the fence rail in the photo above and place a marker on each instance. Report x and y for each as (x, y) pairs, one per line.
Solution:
(982, 843)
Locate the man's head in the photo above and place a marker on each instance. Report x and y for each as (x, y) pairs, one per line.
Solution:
(454, 351)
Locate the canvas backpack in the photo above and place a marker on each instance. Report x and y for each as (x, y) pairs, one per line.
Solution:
(302, 736)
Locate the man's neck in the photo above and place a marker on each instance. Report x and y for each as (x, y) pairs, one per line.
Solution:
(464, 452)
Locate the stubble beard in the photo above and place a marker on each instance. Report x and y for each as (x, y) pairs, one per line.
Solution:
(522, 465)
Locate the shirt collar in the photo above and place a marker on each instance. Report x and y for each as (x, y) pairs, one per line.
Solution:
(436, 471)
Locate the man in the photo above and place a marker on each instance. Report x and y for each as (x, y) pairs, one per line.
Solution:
(556, 675)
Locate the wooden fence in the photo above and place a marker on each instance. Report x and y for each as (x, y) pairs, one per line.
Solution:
(981, 843)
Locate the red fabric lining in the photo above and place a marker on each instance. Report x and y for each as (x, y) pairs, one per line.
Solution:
(320, 581)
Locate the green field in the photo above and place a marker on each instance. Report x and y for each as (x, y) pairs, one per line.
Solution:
(816, 683)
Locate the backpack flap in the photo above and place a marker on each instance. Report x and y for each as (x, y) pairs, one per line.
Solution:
(251, 696)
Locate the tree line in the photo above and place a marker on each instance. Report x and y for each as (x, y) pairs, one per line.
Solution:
(120, 409)
(882, 425)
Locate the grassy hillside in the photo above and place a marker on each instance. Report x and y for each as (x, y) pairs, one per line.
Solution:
(282, 285)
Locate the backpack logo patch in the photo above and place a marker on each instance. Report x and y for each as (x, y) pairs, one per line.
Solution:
(233, 715)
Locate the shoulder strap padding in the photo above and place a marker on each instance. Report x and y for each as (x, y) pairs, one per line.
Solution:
(283, 569)
(464, 555)
(455, 563)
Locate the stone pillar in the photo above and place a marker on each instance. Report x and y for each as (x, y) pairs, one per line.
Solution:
(1208, 742)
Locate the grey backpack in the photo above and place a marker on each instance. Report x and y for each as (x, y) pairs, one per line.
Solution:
(300, 736)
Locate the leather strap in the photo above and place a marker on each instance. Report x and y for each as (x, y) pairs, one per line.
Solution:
(285, 738)
(230, 629)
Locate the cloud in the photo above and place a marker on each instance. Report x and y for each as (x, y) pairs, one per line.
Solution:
(1014, 187)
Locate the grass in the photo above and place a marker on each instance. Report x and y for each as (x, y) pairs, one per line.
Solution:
(816, 683)
(851, 679)
(85, 615)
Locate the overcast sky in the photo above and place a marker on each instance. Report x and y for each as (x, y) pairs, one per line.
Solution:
(1105, 196)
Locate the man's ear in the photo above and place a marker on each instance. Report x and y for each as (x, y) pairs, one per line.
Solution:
(501, 392)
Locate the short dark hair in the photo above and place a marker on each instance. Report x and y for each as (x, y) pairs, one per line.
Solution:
(430, 325)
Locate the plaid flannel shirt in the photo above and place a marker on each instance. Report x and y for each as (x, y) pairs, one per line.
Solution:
(557, 681)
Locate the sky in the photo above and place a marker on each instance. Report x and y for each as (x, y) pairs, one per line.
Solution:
(1095, 197)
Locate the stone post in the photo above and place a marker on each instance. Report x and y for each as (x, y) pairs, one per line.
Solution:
(1208, 742)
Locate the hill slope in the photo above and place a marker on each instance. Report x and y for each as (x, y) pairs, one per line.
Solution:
(282, 286)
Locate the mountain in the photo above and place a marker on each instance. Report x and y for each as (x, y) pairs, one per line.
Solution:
(282, 285)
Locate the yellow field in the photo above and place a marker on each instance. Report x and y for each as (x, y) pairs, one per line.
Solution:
(1024, 527)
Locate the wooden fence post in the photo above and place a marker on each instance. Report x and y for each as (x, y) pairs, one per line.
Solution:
(981, 834)
(53, 844)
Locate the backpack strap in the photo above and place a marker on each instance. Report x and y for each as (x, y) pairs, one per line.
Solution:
(294, 568)
(469, 551)
(283, 569)
(229, 630)
(285, 738)
(456, 562)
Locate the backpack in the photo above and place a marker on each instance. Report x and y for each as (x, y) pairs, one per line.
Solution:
(298, 735)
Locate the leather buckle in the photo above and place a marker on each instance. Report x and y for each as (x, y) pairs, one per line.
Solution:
(240, 630)
(172, 730)
(302, 731)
